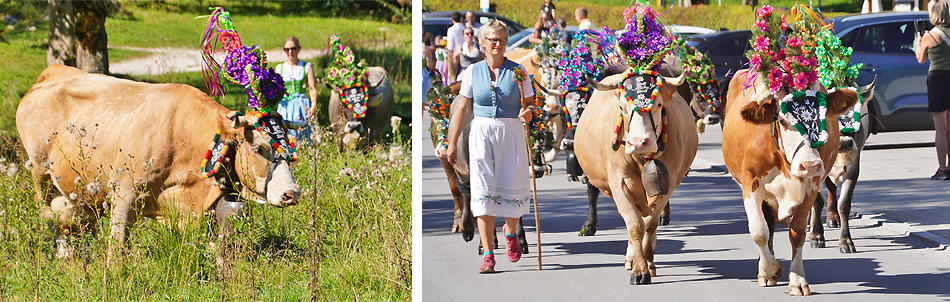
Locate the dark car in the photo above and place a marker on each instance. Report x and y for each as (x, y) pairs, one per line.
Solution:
(438, 23)
(882, 41)
(726, 49)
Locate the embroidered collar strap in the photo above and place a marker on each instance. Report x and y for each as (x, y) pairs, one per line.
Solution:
(805, 111)
(709, 92)
(355, 97)
(215, 155)
(579, 92)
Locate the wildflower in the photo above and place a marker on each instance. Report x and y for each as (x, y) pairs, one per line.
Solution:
(394, 122)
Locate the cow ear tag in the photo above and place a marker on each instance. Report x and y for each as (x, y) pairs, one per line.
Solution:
(215, 155)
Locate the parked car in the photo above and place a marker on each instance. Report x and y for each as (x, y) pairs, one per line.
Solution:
(686, 31)
(438, 23)
(520, 39)
(882, 41)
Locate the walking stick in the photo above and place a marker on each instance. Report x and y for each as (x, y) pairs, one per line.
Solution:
(534, 190)
(534, 183)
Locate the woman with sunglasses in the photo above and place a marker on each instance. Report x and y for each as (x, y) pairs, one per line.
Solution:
(301, 89)
(468, 53)
(498, 156)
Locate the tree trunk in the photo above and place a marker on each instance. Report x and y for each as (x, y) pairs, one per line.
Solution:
(92, 54)
(78, 34)
(62, 40)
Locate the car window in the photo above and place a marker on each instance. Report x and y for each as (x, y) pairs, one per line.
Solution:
(848, 39)
(436, 29)
(890, 38)
(730, 46)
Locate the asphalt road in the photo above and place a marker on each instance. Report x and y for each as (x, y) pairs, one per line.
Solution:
(705, 252)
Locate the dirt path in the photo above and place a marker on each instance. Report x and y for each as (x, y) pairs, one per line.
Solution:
(165, 60)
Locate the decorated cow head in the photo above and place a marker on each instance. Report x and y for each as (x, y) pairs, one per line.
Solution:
(643, 119)
(255, 154)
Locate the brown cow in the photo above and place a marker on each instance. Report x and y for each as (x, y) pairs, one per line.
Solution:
(361, 131)
(140, 147)
(639, 183)
(777, 167)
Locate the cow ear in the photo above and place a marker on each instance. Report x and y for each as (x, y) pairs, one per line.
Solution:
(841, 100)
(764, 113)
(240, 121)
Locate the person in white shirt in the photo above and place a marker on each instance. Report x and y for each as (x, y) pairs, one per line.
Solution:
(454, 37)
(580, 14)
(472, 21)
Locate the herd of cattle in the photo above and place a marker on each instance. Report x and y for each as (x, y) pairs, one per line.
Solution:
(639, 166)
(102, 145)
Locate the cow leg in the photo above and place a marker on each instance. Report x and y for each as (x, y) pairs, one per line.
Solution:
(665, 217)
(456, 194)
(468, 219)
(761, 227)
(797, 285)
(590, 224)
(845, 244)
(522, 239)
(817, 237)
(649, 242)
(833, 217)
(122, 218)
(636, 230)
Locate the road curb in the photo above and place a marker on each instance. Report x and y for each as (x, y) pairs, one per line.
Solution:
(880, 219)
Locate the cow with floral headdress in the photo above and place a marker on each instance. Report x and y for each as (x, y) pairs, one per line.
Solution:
(636, 140)
(776, 141)
(361, 100)
(834, 71)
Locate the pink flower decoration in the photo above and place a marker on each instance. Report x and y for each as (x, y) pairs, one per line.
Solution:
(784, 25)
(755, 62)
(762, 25)
(794, 42)
(764, 11)
(762, 43)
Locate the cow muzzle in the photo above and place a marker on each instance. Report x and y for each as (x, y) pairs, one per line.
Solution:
(846, 144)
(639, 144)
(281, 189)
(711, 119)
(353, 126)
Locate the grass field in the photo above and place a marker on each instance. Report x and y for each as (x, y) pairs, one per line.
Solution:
(349, 238)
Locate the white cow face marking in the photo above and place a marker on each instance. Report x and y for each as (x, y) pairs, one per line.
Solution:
(255, 161)
(805, 161)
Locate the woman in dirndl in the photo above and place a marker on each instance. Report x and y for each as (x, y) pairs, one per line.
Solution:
(934, 46)
(498, 159)
(301, 89)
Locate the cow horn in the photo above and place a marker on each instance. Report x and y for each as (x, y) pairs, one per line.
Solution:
(294, 124)
(373, 86)
(869, 87)
(600, 86)
(536, 65)
(677, 80)
(552, 92)
(237, 120)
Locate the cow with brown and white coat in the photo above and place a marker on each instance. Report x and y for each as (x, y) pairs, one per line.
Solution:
(98, 144)
(778, 169)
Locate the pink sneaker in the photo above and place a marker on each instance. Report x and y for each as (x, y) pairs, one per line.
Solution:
(488, 264)
(514, 248)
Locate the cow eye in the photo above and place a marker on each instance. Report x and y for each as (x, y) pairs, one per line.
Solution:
(262, 150)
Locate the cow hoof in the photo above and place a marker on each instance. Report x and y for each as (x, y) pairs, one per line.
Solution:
(766, 282)
(832, 223)
(468, 235)
(481, 250)
(588, 231)
(665, 219)
(640, 279)
(803, 290)
(847, 249)
(816, 243)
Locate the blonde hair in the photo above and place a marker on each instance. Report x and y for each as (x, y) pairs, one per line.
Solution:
(938, 12)
(492, 26)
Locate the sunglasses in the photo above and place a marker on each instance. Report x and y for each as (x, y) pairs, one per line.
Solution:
(469, 34)
(292, 48)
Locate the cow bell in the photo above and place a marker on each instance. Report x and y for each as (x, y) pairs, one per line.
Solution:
(655, 177)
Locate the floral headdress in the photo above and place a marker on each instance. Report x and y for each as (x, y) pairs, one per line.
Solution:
(590, 51)
(243, 65)
(833, 71)
(646, 41)
(347, 76)
(786, 54)
(247, 66)
(551, 46)
(440, 103)
(700, 72)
